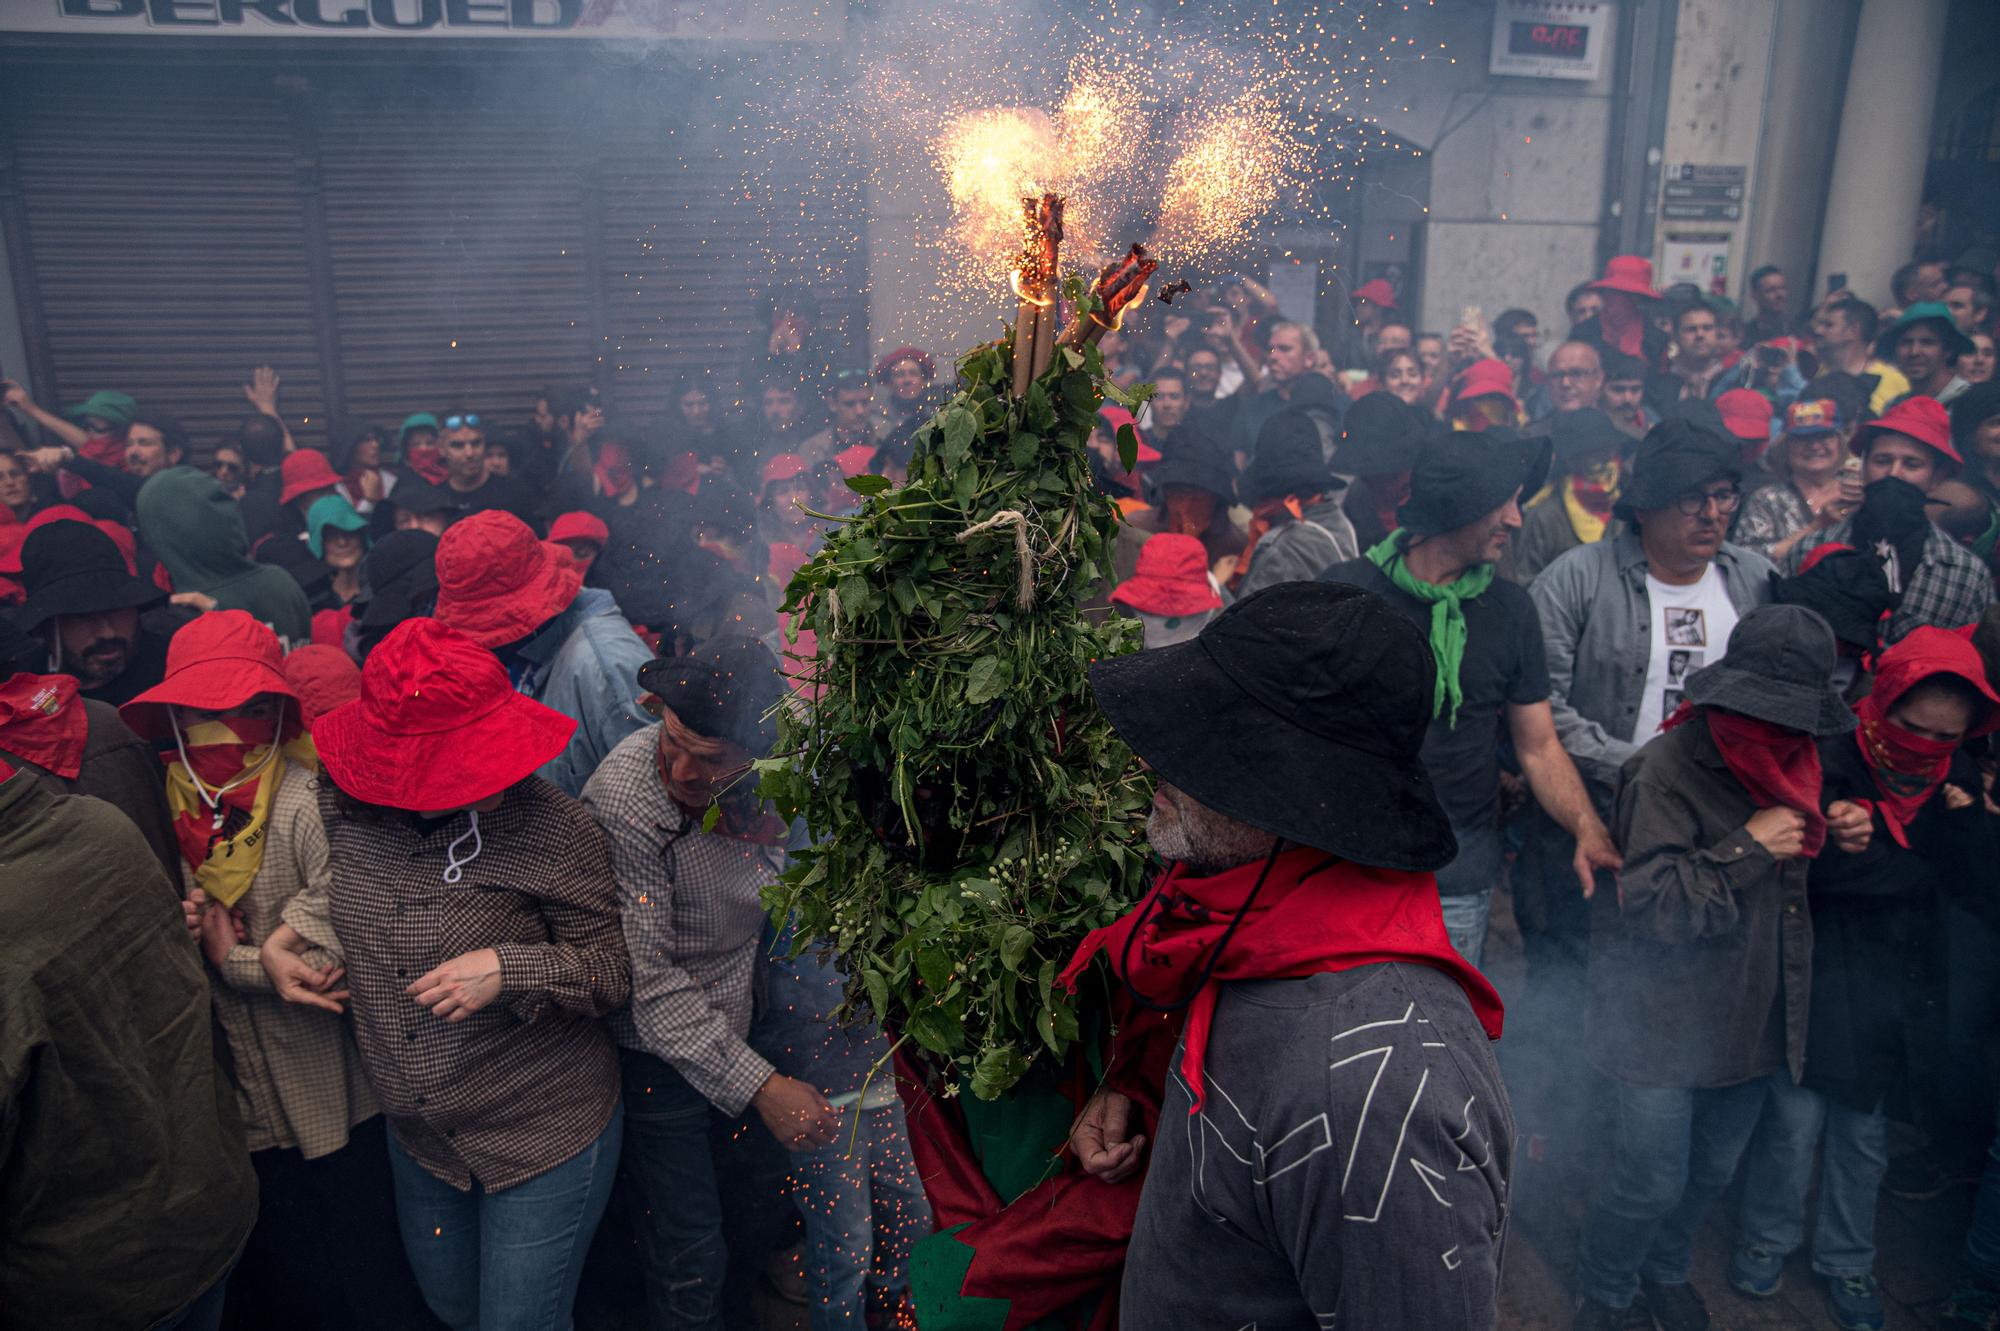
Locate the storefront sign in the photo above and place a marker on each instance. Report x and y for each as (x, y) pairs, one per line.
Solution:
(1550, 39)
(749, 20)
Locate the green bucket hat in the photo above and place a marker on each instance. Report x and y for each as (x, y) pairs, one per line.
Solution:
(1956, 344)
(106, 404)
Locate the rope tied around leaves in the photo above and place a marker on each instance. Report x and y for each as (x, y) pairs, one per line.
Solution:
(1024, 592)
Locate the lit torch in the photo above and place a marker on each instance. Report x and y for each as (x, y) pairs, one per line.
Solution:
(1120, 286)
(1037, 281)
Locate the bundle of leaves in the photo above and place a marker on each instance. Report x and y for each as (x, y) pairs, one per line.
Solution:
(972, 813)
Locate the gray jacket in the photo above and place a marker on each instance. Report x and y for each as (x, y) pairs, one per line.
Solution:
(1301, 551)
(1597, 624)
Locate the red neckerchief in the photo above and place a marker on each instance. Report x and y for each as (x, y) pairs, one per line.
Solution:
(1266, 514)
(762, 827)
(1778, 767)
(428, 462)
(1314, 913)
(107, 450)
(613, 470)
(216, 765)
(1907, 768)
(1591, 497)
(1618, 318)
(42, 721)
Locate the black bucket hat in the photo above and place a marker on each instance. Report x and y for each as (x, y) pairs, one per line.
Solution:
(400, 571)
(1847, 589)
(1195, 463)
(1973, 408)
(727, 688)
(1676, 456)
(1300, 710)
(1461, 477)
(72, 568)
(1779, 668)
(1580, 433)
(1382, 434)
(1290, 460)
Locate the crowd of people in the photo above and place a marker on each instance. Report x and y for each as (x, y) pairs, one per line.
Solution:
(417, 894)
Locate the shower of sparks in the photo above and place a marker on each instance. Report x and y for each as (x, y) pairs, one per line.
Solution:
(885, 173)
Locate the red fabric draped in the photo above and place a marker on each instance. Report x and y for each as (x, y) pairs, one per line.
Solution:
(1779, 767)
(42, 720)
(1314, 913)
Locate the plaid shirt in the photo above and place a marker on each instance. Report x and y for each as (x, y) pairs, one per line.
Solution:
(532, 1078)
(694, 918)
(1949, 588)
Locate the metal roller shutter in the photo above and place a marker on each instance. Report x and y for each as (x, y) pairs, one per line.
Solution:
(457, 233)
(166, 239)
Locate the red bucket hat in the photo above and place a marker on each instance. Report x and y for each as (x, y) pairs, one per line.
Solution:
(1171, 580)
(855, 460)
(1630, 273)
(787, 467)
(1376, 292)
(497, 583)
(1920, 418)
(322, 678)
(1747, 414)
(579, 527)
(437, 725)
(304, 471)
(917, 354)
(1484, 378)
(215, 661)
(1116, 418)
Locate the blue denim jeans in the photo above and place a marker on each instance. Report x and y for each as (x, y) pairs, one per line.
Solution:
(863, 1210)
(1674, 1150)
(1778, 1172)
(1465, 888)
(507, 1260)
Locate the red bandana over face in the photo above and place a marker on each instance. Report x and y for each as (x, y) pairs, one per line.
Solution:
(1313, 913)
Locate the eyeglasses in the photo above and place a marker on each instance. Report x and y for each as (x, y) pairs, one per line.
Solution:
(466, 422)
(1694, 501)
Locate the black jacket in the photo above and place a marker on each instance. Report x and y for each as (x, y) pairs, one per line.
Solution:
(1878, 942)
(1701, 977)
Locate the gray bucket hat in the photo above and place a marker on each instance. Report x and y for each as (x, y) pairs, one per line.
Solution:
(1779, 668)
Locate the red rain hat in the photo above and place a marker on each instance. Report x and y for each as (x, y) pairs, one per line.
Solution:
(917, 354)
(1484, 378)
(854, 461)
(579, 527)
(322, 678)
(437, 725)
(215, 661)
(1115, 417)
(1747, 414)
(305, 471)
(1919, 418)
(1376, 292)
(1172, 578)
(497, 583)
(1630, 273)
(788, 467)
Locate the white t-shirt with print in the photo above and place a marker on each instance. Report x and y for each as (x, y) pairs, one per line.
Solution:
(1690, 629)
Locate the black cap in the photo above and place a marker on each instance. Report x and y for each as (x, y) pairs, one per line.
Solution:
(1382, 434)
(1290, 460)
(72, 568)
(726, 688)
(1580, 433)
(1677, 456)
(1779, 669)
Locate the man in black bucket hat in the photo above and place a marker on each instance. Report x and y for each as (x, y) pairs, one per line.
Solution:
(1700, 965)
(85, 606)
(1297, 528)
(1299, 914)
(1437, 570)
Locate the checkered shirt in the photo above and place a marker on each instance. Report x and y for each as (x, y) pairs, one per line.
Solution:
(532, 1078)
(693, 920)
(1950, 587)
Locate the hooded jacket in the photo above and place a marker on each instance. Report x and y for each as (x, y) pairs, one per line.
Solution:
(197, 531)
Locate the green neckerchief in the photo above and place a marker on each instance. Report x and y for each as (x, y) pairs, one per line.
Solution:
(1447, 603)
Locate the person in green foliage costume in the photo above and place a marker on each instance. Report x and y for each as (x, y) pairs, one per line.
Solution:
(973, 817)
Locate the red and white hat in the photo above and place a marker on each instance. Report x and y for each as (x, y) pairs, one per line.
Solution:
(437, 725)
(497, 583)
